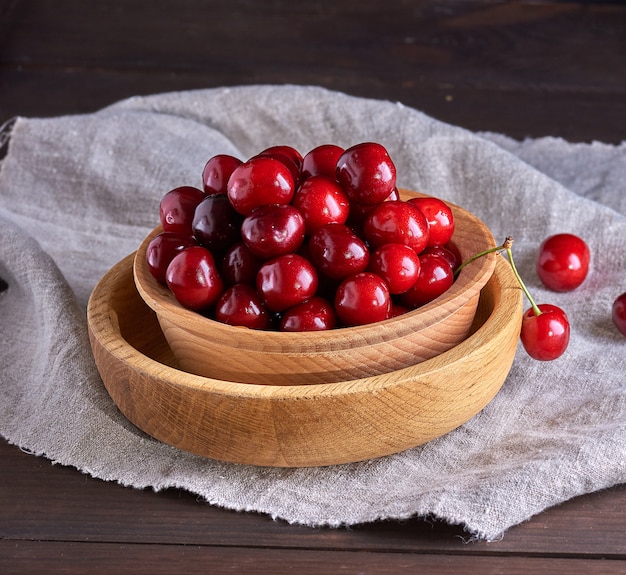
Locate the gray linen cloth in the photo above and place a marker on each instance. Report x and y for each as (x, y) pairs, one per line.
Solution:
(78, 193)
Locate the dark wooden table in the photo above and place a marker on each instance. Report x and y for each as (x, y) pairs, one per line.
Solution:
(526, 69)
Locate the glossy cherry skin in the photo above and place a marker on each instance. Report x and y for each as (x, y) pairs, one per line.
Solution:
(240, 305)
(162, 249)
(453, 248)
(367, 173)
(397, 222)
(358, 212)
(286, 281)
(316, 314)
(337, 252)
(563, 262)
(273, 230)
(216, 225)
(321, 200)
(217, 171)
(285, 152)
(321, 161)
(289, 156)
(448, 252)
(240, 265)
(618, 313)
(177, 208)
(194, 279)
(439, 217)
(546, 336)
(258, 182)
(398, 309)
(361, 299)
(397, 264)
(434, 278)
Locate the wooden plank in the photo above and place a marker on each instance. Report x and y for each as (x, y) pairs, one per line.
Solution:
(523, 69)
(95, 558)
(519, 114)
(472, 42)
(44, 502)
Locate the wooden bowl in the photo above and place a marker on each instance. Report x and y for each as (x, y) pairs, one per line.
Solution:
(297, 426)
(213, 349)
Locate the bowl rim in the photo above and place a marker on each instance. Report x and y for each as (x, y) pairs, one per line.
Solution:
(105, 328)
(474, 276)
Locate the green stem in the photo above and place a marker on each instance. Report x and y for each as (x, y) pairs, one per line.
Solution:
(506, 246)
(509, 253)
(478, 255)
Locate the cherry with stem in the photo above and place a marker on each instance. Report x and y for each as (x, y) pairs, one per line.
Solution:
(545, 330)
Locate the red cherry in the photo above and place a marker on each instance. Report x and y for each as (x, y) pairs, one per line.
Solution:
(394, 196)
(240, 265)
(337, 252)
(286, 281)
(289, 156)
(193, 278)
(216, 225)
(435, 277)
(217, 171)
(545, 336)
(316, 314)
(397, 264)
(361, 299)
(273, 230)
(452, 247)
(359, 212)
(258, 182)
(162, 249)
(321, 201)
(447, 252)
(177, 208)
(321, 161)
(284, 151)
(563, 262)
(618, 313)
(397, 222)
(367, 173)
(439, 217)
(240, 305)
(398, 309)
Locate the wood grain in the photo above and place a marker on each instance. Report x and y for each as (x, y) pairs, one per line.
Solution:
(525, 69)
(49, 512)
(213, 349)
(321, 424)
(96, 558)
(521, 68)
(55, 503)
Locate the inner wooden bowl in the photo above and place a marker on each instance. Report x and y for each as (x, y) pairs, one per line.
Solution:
(297, 426)
(206, 347)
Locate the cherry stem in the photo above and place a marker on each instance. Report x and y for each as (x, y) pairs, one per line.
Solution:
(506, 246)
(478, 255)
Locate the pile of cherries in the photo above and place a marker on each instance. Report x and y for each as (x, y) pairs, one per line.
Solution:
(301, 243)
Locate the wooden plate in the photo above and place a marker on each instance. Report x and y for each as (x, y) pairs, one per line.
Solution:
(295, 425)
